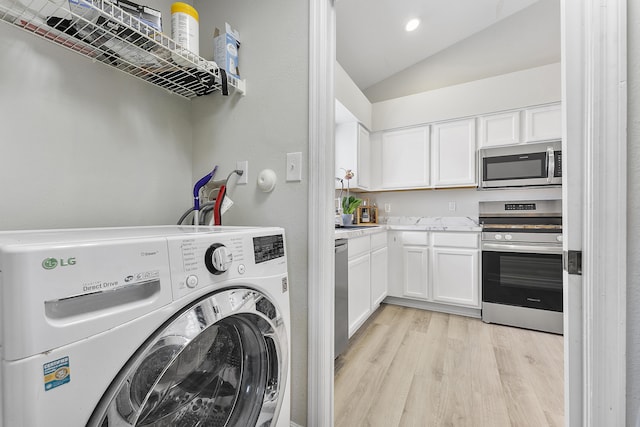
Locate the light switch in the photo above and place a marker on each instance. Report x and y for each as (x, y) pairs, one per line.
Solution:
(294, 166)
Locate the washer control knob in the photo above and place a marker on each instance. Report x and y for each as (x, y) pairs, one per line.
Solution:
(508, 237)
(242, 269)
(218, 258)
(192, 281)
(498, 236)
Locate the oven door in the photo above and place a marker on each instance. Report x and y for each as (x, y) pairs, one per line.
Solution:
(523, 275)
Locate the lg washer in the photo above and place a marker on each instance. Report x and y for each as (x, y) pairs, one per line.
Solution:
(144, 326)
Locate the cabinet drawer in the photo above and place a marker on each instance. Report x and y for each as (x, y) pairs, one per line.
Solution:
(415, 238)
(359, 246)
(456, 240)
(378, 241)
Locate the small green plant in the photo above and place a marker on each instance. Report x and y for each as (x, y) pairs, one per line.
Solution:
(350, 204)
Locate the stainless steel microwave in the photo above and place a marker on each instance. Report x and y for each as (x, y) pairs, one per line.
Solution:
(524, 165)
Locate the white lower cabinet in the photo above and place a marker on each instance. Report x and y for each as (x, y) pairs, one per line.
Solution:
(455, 276)
(438, 267)
(415, 271)
(367, 267)
(379, 276)
(359, 291)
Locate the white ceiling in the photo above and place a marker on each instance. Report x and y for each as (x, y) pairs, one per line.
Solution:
(372, 45)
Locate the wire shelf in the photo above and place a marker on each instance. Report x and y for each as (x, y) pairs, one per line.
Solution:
(102, 31)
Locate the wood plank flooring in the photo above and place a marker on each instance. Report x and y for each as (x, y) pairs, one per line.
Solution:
(416, 368)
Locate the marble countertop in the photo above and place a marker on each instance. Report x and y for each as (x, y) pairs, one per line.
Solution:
(448, 223)
(413, 223)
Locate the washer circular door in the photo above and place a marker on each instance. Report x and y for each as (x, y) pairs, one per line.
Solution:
(219, 362)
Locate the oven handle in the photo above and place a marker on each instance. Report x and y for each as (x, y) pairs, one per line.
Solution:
(505, 247)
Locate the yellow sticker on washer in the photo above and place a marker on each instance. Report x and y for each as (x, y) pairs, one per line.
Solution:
(56, 373)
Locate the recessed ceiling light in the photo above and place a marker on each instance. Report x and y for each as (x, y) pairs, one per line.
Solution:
(412, 24)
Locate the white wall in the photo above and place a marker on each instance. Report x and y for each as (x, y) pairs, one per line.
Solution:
(534, 86)
(529, 38)
(86, 145)
(633, 217)
(351, 97)
(270, 121)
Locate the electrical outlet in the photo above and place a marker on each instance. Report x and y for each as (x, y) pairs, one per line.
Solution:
(452, 206)
(243, 166)
(387, 207)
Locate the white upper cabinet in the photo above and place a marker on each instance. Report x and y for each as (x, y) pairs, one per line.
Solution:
(405, 158)
(352, 152)
(499, 129)
(543, 123)
(454, 153)
(364, 158)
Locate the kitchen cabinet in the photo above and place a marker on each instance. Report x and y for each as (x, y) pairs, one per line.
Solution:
(543, 123)
(455, 269)
(379, 269)
(367, 267)
(435, 267)
(138, 49)
(405, 158)
(359, 291)
(454, 153)
(352, 152)
(499, 129)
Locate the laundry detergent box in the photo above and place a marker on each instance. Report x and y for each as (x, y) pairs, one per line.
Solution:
(225, 50)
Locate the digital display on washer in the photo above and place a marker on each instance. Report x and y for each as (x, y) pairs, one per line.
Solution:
(266, 248)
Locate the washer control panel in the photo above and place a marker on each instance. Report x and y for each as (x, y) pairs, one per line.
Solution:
(200, 260)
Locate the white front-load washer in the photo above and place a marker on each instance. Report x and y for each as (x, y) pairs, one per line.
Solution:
(144, 326)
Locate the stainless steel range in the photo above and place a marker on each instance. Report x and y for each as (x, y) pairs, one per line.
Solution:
(522, 264)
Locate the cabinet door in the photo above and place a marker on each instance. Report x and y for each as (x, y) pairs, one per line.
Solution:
(359, 291)
(500, 129)
(415, 271)
(395, 277)
(454, 153)
(455, 277)
(379, 271)
(543, 123)
(346, 152)
(405, 158)
(364, 158)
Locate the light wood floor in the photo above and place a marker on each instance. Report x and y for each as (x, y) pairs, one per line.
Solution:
(409, 367)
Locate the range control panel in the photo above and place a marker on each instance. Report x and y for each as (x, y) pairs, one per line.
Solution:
(520, 207)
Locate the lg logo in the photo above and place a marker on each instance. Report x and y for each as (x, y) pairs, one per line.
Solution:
(51, 263)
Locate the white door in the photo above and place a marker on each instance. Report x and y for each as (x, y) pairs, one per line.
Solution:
(364, 158)
(359, 291)
(454, 153)
(415, 271)
(455, 276)
(405, 158)
(379, 272)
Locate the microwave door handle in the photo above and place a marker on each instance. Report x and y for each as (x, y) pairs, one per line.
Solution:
(551, 163)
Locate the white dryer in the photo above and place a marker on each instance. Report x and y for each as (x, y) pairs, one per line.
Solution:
(144, 326)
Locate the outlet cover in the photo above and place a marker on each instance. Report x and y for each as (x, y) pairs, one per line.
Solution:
(243, 166)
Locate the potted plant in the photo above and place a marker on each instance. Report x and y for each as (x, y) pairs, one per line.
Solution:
(349, 206)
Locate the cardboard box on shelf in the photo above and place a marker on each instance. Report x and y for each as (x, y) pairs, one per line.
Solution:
(225, 50)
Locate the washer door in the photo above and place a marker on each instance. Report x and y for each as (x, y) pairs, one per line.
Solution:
(220, 362)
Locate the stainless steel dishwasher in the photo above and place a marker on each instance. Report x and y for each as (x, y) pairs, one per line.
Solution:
(341, 319)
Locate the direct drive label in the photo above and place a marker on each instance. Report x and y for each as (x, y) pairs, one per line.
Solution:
(56, 373)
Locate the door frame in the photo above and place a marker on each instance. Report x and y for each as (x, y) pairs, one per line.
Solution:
(594, 110)
(594, 75)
